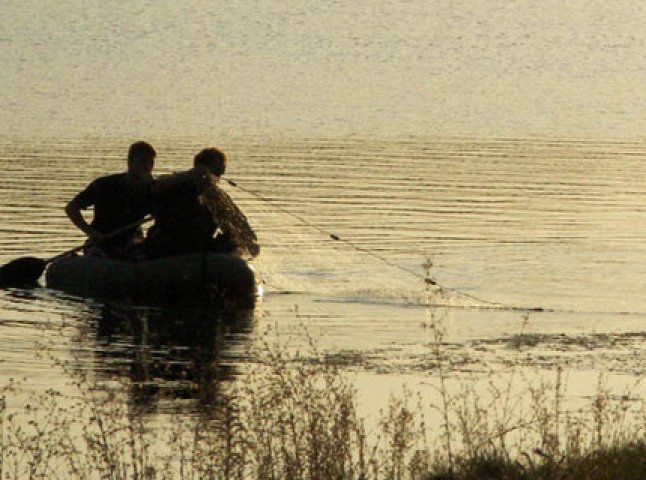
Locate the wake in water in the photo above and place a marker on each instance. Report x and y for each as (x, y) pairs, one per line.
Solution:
(349, 274)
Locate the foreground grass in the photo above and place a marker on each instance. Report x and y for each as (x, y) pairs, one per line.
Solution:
(626, 462)
(293, 417)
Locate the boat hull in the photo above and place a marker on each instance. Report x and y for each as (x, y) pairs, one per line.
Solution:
(210, 278)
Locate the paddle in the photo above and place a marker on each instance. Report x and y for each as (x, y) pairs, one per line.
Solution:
(25, 271)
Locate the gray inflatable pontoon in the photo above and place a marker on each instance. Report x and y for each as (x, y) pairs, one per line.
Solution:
(195, 279)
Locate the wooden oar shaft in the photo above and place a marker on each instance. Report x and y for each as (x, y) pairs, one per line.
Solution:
(26, 271)
(107, 236)
(65, 254)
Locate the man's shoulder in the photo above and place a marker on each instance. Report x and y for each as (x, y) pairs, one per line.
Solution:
(99, 188)
(112, 178)
(115, 180)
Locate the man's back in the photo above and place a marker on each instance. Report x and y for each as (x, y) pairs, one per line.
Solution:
(182, 223)
(116, 203)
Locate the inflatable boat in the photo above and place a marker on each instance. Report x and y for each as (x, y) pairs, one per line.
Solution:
(195, 279)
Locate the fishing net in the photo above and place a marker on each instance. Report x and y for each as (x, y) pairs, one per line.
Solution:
(230, 219)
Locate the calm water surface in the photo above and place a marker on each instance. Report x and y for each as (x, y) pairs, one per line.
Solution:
(504, 142)
(508, 225)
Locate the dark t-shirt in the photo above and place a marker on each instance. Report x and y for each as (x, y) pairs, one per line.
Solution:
(182, 223)
(116, 203)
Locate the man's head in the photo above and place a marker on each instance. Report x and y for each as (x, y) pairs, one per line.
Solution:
(213, 159)
(141, 159)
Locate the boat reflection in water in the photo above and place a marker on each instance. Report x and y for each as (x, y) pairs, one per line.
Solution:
(170, 357)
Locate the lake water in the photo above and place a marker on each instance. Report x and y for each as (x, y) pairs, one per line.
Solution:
(503, 141)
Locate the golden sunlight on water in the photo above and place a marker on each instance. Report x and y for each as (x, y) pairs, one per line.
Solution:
(507, 223)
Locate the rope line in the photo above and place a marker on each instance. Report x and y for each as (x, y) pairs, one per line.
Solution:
(427, 279)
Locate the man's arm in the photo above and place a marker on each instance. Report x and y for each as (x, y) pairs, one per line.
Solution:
(73, 211)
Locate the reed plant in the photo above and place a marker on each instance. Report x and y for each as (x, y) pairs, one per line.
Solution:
(513, 427)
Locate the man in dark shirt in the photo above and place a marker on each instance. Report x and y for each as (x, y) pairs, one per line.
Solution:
(192, 214)
(118, 200)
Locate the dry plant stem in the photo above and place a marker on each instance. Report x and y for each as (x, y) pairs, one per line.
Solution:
(3, 409)
(503, 426)
(436, 343)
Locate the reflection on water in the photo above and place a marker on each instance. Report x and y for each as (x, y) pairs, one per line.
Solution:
(170, 354)
(165, 358)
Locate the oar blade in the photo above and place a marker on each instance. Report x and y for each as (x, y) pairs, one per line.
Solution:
(22, 272)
